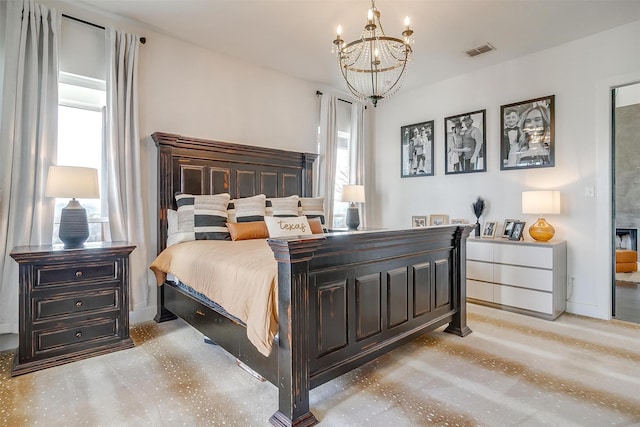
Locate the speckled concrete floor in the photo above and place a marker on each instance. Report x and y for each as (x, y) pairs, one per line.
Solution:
(512, 370)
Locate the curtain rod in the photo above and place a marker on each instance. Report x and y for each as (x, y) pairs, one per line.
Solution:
(143, 40)
(318, 93)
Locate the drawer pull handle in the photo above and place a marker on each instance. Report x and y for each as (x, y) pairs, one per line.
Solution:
(200, 312)
(78, 303)
(78, 274)
(78, 334)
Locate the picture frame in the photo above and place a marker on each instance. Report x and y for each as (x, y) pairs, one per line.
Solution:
(416, 149)
(489, 229)
(419, 221)
(465, 142)
(458, 221)
(527, 130)
(438, 219)
(508, 227)
(518, 230)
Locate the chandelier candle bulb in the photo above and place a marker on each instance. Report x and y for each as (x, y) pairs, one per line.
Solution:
(406, 22)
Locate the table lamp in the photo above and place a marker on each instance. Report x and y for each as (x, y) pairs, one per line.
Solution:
(72, 182)
(540, 203)
(353, 194)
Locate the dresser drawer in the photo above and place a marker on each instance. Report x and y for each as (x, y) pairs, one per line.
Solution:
(527, 299)
(77, 273)
(480, 290)
(480, 271)
(62, 305)
(49, 340)
(529, 256)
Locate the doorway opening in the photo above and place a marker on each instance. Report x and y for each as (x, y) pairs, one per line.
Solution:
(625, 136)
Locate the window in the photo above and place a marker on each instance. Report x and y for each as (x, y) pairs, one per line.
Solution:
(344, 154)
(81, 110)
(343, 165)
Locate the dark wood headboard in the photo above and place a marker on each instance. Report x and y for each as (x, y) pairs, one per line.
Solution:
(200, 166)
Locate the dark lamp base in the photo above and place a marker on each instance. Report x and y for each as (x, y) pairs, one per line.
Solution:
(353, 218)
(74, 227)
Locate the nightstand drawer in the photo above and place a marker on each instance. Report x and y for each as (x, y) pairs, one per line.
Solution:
(58, 274)
(47, 308)
(52, 339)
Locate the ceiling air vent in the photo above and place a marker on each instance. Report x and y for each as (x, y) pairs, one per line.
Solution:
(487, 47)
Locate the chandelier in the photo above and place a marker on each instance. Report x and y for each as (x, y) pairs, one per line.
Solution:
(374, 65)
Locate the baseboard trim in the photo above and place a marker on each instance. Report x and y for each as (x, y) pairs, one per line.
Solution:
(140, 316)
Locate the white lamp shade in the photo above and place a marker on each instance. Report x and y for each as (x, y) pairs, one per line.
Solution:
(353, 193)
(72, 182)
(541, 202)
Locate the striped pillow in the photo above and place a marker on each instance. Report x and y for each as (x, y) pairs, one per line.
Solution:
(283, 206)
(312, 207)
(209, 214)
(248, 209)
(179, 227)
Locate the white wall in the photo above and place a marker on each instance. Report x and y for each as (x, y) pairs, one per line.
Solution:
(580, 75)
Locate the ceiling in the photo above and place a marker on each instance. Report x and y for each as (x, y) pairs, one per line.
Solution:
(294, 36)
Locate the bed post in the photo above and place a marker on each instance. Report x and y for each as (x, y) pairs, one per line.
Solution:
(293, 311)
(165, 201)
(307, 174)
(458, 325)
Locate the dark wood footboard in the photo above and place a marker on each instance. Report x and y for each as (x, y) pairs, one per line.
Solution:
(347, 298)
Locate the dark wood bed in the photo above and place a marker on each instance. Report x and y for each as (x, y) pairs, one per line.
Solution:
(344, 298)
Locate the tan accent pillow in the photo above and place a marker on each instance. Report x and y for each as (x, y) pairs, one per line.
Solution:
(316, 225)
(248, 230)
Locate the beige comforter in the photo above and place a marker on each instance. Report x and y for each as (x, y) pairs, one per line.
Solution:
(241, 276)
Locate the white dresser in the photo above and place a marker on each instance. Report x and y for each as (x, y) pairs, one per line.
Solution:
(525, 277)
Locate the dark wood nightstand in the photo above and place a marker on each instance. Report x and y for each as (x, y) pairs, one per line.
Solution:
(74, 303)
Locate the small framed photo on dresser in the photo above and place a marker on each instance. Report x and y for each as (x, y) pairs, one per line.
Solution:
(517, 231)
(419, 221)
(489, 229)
(508, 227)
(438, 219)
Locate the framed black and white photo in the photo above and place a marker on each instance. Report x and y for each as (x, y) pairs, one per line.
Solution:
(489, 229)
(518, 230)
(527, 134)
(508, 227)
(419, 221)
(416, 150)
(465, 139)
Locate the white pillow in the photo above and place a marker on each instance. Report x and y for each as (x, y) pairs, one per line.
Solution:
(288, 226)
(283, 206)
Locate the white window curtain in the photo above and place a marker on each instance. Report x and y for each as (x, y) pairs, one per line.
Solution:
(327, 150)
(358, 155)
(29, 39)
(122, 158)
